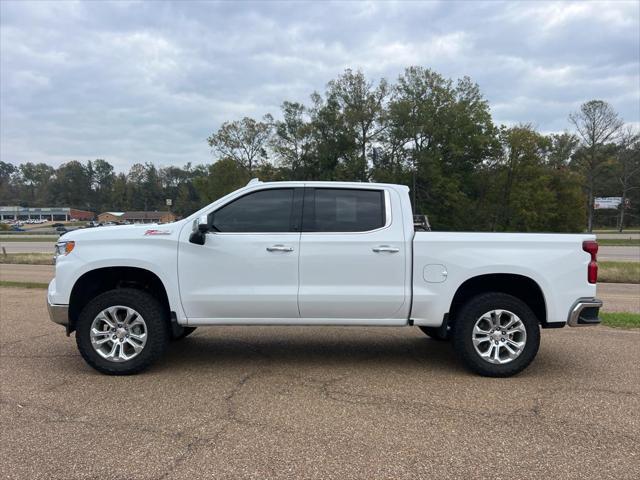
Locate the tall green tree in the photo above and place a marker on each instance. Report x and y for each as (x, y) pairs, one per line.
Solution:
(363, 105)
(597, 124)
(245, 141)
(224, 176)
(292, 142)
(333, 141)
(71, 186)
(628, 169)
(7, 188)
(36, 178)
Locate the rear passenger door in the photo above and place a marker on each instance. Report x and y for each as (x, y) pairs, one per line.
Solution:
(352, 256)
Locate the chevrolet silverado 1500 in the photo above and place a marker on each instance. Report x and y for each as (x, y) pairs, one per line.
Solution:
(318, 253)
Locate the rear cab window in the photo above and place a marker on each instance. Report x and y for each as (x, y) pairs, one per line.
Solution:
(343, 210)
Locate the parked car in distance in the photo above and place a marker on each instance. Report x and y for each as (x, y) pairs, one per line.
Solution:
(318, 253)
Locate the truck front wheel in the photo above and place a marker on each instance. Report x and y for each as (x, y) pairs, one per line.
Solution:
(496, 335)
(122, 331)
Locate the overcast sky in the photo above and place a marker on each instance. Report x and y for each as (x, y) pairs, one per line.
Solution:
(149, 81)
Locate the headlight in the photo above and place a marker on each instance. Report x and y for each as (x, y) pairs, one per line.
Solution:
(64, 248)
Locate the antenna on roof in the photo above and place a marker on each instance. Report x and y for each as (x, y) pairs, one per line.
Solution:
(253, 180)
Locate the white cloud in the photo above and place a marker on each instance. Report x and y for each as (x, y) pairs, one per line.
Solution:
(149, 81)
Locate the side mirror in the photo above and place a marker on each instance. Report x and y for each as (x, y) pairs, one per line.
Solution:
(200, 228)
(203, 224)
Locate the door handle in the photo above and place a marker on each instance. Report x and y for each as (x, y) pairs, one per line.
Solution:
(385, 248)
(279, 248)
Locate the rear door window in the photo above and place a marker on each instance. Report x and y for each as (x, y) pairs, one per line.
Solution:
(343, 210)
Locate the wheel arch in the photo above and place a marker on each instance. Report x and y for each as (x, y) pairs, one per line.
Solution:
(99, 280)
(519, 286)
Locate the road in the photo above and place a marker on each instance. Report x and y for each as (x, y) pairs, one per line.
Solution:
(619, 254)
(315, 403)
(605, 253)
(27, 247)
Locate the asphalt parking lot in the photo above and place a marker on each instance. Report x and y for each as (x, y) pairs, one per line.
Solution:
(297, 402)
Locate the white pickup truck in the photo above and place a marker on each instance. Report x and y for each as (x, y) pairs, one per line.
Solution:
(318, 253)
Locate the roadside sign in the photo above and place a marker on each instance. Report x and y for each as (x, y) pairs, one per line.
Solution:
(607, 203)
(169, 202)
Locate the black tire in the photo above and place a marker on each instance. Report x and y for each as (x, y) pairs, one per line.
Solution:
(184, 332)
(463, 334)
(157, 325)
(434, 333)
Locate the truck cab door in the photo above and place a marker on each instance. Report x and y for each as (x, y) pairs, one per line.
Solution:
(352, 257)
(247, 269)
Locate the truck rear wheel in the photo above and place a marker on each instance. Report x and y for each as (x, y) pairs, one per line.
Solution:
(122, 331)
(496, 335)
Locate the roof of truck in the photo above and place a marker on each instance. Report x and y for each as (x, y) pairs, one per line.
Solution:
(256, 181)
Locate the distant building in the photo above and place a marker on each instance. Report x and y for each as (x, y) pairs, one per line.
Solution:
(136, 217)
(110, 217)
(49, 213)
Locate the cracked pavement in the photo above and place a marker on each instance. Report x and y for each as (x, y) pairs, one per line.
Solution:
(302, 402)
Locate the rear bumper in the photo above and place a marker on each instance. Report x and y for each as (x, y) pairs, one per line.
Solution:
(584, 312)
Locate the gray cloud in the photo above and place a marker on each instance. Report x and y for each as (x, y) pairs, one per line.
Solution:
(149, 81)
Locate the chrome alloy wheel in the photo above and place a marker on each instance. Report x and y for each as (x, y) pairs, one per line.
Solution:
(499, 336)
(118, 333)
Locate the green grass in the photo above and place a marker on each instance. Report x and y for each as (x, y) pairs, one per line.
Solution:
(29, 238)
(619, 242)
(621, 320)
(618, 272)
(28, 258)
(8, 283)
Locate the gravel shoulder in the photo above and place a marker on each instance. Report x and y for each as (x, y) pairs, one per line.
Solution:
(301, 402)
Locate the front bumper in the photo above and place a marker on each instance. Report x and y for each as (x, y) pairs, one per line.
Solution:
(58, 313)
(584, 312)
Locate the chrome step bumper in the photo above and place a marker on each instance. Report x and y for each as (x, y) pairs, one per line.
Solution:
(584, 312)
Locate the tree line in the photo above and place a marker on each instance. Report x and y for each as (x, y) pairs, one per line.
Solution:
(434, 134)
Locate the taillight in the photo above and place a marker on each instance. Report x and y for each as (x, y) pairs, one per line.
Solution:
(591, 247)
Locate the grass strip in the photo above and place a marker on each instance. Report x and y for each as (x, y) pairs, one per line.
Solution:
(620, 320)
(618, 272)
(8, 283)
(619, 242)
